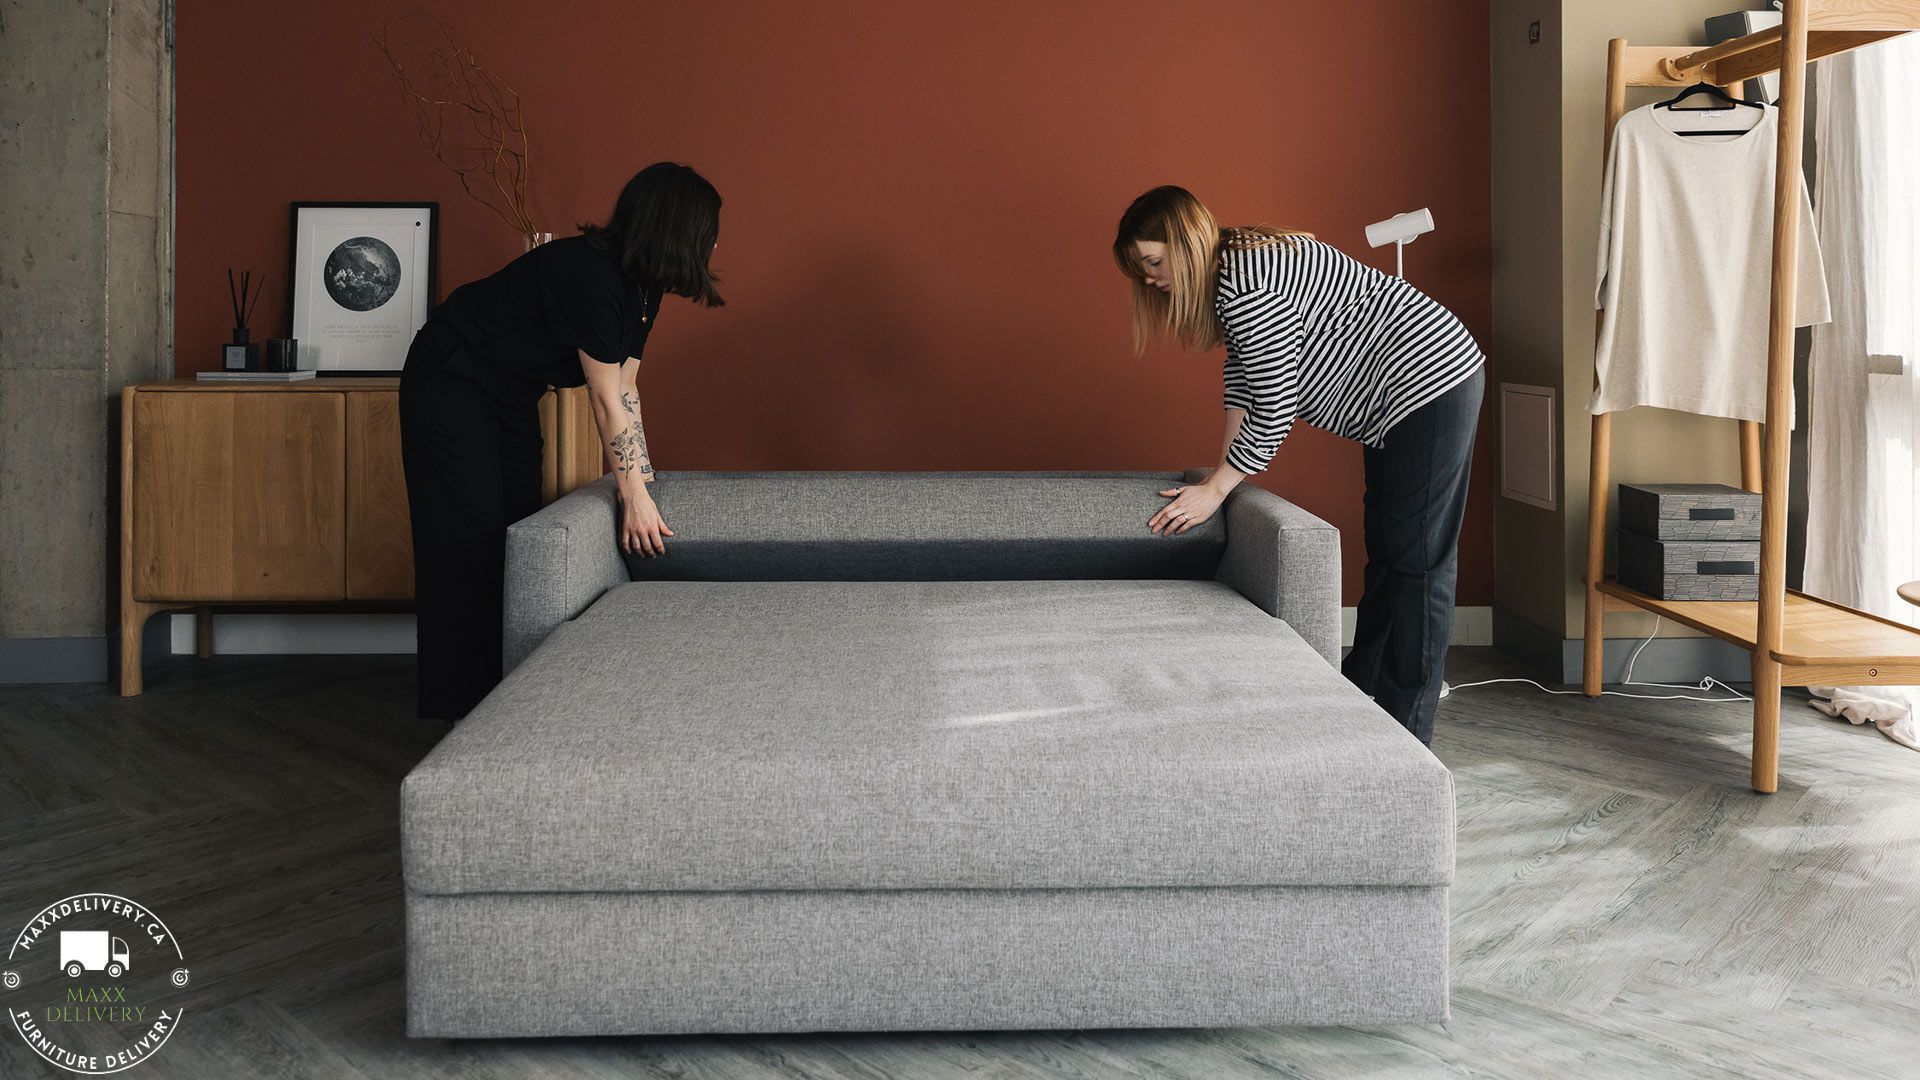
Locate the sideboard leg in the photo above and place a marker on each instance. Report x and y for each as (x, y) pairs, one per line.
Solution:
(203, 631)
(133, 626)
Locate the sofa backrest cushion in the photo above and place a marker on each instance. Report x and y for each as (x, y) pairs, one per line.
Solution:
(921, 526)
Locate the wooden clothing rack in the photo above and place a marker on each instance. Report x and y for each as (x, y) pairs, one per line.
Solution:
(1795, 639)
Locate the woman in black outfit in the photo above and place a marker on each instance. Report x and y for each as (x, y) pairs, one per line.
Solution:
(569, 312)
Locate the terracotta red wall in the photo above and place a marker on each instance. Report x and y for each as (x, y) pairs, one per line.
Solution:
(919, 200)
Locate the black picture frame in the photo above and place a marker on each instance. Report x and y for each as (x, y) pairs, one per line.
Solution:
(295, 275)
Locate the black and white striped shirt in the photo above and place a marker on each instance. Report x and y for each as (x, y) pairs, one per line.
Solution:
(1315, 335)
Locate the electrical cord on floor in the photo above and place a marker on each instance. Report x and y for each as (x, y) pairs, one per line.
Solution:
(1706, 683)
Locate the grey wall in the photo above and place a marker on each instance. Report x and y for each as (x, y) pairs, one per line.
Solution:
(1546, 228)
(1527, 281)
(85, 251)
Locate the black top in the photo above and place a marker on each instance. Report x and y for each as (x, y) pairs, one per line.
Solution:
(527, 319)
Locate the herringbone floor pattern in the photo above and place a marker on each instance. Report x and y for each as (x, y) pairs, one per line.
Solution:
(1625, 907)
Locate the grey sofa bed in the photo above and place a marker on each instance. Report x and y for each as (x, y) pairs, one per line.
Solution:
(917, 751)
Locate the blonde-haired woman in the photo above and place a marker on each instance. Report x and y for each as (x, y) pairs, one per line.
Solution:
(1314, 335)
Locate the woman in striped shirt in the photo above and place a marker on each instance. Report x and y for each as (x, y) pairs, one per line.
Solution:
(1314, 335)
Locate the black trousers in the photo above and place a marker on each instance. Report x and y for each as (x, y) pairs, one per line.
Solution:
(1416, 500)
(470, 444)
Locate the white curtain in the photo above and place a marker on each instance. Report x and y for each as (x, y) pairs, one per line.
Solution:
(1864, 372)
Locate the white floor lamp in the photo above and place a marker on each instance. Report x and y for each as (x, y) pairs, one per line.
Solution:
(1400, 230)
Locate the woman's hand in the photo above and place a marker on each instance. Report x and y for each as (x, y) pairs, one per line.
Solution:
(1192, 505)
(641, 530)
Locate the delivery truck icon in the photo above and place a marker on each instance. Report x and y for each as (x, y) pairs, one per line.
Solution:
(92, 950)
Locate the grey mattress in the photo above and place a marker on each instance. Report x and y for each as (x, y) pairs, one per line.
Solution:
(943, 735)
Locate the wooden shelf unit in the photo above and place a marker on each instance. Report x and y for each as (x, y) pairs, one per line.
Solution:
(1795, 639)
(1821, 643)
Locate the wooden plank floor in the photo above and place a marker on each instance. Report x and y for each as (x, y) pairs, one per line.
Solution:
(1625, 906)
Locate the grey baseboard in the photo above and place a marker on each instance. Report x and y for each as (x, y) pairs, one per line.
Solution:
(1665, 659)
(69, 659)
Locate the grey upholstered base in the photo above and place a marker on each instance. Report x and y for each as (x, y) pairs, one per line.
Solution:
(528, 964)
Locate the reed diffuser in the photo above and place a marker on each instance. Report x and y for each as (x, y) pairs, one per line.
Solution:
(243, 353)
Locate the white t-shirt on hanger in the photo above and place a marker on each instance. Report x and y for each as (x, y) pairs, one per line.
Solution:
(1686, 247)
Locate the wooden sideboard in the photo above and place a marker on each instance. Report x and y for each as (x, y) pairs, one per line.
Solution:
(281, 495)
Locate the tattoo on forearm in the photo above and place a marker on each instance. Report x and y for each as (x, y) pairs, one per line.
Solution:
(629, 446)
(626, 449)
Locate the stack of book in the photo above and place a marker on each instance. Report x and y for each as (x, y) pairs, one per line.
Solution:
(1690, 541)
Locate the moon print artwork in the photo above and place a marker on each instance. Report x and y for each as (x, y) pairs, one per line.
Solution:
(363, 283)
(362, 273)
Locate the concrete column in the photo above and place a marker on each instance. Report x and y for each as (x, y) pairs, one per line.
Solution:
(86, 145)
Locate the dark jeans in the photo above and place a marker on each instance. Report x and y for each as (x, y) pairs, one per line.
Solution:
(471, 449)
(1416, 500)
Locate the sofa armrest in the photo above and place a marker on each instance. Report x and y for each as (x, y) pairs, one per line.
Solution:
(1286, 561)
(558, 562)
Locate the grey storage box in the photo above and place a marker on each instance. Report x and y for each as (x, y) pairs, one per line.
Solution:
(1689, 512)
(1690, 569)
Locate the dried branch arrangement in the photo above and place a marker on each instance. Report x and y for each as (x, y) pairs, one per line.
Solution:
(466, 114)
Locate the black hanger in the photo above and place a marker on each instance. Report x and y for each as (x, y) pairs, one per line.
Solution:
(1712, 91)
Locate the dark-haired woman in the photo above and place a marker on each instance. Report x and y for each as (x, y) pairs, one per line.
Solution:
(1314, 335)
(571, 312)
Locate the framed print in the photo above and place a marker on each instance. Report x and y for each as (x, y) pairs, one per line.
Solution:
(363, 281)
